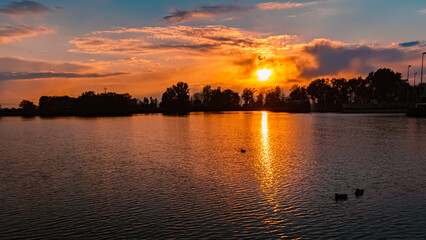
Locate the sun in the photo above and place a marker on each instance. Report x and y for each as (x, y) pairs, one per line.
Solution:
(263, 74)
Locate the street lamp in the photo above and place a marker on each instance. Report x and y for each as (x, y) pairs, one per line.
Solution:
(421, 77)
(421, 73)
(415, 74)
(408, 73)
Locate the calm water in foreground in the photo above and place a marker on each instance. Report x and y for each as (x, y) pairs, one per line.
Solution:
(154, 176)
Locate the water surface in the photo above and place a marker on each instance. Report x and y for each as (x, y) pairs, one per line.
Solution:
(155, 176)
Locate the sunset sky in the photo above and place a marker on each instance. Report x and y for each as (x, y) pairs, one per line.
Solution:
(52, 47)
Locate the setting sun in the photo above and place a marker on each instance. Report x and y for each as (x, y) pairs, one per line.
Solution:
(263, 74)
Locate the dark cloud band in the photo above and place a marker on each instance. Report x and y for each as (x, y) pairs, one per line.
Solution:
(24, 7)
(203, 12)
(24, 75)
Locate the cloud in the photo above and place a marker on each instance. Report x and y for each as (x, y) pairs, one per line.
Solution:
(24, 8)
(41, 75)
(422, 11)
(413, 44)
(156, 40)
(12, 64)
(210, 11)
(203, 12)
(332, 58)
(220, 54)
(279, 5)
(10, 33)
(12, 68)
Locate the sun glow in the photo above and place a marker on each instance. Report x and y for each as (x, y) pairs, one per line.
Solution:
(263, 74)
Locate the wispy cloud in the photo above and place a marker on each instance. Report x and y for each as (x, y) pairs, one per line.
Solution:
(246, 50)
(422, 11)
(24, 7)
(210, 11)
(281, 5)
(9, 33)
(13, 64)
(154, 40)
(243, 51)
(203, 12)
(43, 75)
(12, 68)
(413, 44)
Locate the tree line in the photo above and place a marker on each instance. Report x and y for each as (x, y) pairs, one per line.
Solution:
(87, 104)
(383, 86)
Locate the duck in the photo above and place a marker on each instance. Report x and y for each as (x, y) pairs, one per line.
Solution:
(359, 192)
(338, 197)
(243, 150)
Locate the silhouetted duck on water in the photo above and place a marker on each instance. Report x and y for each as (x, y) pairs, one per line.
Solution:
(339, 197)
(359, 192)
(243, 150)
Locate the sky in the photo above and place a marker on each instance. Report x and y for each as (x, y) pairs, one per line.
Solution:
(54, 47)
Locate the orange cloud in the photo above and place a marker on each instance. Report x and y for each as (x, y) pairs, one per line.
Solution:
(203, 12)
(211, 11)
(9, 33)
(279, 5)
(156, 57)
(232, 55)
(155, 40)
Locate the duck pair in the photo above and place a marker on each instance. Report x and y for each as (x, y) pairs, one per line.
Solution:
(358, 193)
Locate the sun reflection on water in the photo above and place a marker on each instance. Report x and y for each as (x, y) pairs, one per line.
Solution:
(268, 185)
(265, 157)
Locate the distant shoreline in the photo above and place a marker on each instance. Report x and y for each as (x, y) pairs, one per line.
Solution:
(355, 112)
(382, 91)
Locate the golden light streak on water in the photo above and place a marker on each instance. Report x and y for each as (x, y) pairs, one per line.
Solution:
(267, 175)
(265, 151)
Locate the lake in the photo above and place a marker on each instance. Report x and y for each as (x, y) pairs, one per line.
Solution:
(161, 177)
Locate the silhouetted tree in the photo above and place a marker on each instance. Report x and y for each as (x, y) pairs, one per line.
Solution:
(216, 101)
(28, 108)
(231, 99)
(105, 104)
(145, 101)
(89, 104)
(340, 89)
(386, 85)
(147, 105)
(153, 102)
(299, 94)
(176, 98)
(318, 90)
(359, 90)
(273, 98)
(248, 97)
(57, 106)
(260, 101)
(197, 101)
(207, 96)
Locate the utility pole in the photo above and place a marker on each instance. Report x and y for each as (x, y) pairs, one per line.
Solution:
(421, 78)
(408, 73)
(415, 91)
(415, 74)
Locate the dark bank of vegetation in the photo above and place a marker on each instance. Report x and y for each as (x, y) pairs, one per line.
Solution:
(382, 89)
(87, 104)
